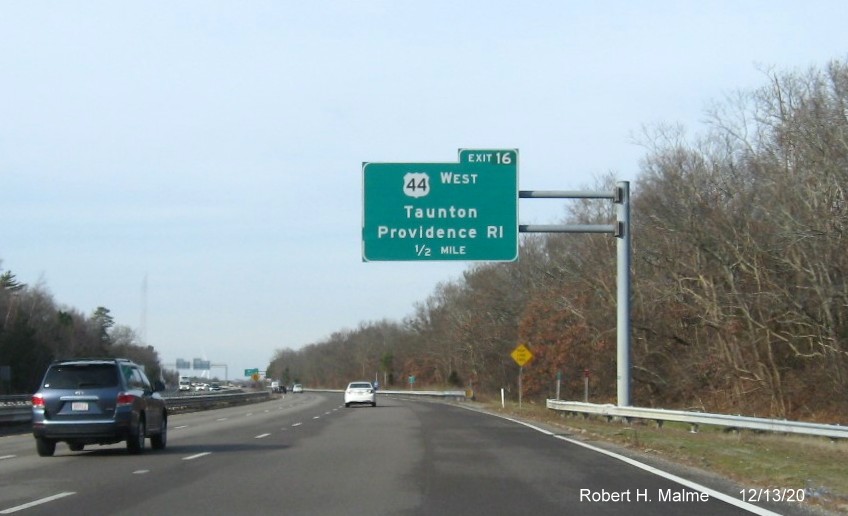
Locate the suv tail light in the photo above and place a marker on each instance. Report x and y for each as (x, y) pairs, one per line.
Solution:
(38, 401)
(125, 399)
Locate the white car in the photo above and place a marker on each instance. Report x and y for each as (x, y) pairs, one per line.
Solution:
(297, 388)
(360, 392)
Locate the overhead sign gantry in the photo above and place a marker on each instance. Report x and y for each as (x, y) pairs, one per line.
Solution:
(469, 211)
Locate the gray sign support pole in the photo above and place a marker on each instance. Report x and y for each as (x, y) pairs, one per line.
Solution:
(621, 230)
(520, 388)
(622, 209)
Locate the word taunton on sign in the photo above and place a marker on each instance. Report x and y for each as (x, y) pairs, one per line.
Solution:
(442, 211)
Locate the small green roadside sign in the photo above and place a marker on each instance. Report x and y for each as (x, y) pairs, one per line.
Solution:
(442, 211)
(251, 372)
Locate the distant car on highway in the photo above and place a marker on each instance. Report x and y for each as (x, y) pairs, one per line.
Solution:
(360, 393)
(98, 401)
(297, 388)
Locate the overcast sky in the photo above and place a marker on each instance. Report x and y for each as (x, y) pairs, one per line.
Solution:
(213, 150)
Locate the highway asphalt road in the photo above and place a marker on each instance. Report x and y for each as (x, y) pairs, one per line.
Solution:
(307, 454)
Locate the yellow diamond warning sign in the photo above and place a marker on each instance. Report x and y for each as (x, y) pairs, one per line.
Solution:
(521, 355)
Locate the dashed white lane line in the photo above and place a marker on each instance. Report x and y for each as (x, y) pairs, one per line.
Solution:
(137, 472)
(197, 455)
(260, 436)
(10, 510)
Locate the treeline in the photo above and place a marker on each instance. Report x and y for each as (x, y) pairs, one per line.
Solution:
(34, 331)
(740, 302)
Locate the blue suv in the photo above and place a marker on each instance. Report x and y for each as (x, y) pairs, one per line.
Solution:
(98, 401)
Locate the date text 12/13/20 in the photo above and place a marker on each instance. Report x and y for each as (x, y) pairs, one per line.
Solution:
(774, 494)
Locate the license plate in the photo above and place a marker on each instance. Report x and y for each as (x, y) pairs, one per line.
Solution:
(79, 406)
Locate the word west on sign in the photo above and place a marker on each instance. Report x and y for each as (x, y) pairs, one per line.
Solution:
(442, 211)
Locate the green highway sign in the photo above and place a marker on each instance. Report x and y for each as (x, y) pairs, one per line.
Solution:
(251, 372)
(442, 211)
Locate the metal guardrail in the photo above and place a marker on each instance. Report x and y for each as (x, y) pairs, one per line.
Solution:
(457, 395)
(15, 409)
(18, 409)
(702, 418)
(180, 404)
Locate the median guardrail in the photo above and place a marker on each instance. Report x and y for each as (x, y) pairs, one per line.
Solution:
(702, 418)
(15, 409)
(180, 404)
(18, 409)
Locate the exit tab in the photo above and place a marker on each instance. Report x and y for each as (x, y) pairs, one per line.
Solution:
(497, 157)
(467, 210)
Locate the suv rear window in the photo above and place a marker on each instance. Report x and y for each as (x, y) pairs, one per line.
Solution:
(81, 375)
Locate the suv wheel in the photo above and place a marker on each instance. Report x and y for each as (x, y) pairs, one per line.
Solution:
(158, 441)
(135, 441)
(45, 447)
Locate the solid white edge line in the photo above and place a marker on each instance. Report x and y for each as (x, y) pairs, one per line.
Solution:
(650, 469)
(37, 502)
(4, 457)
